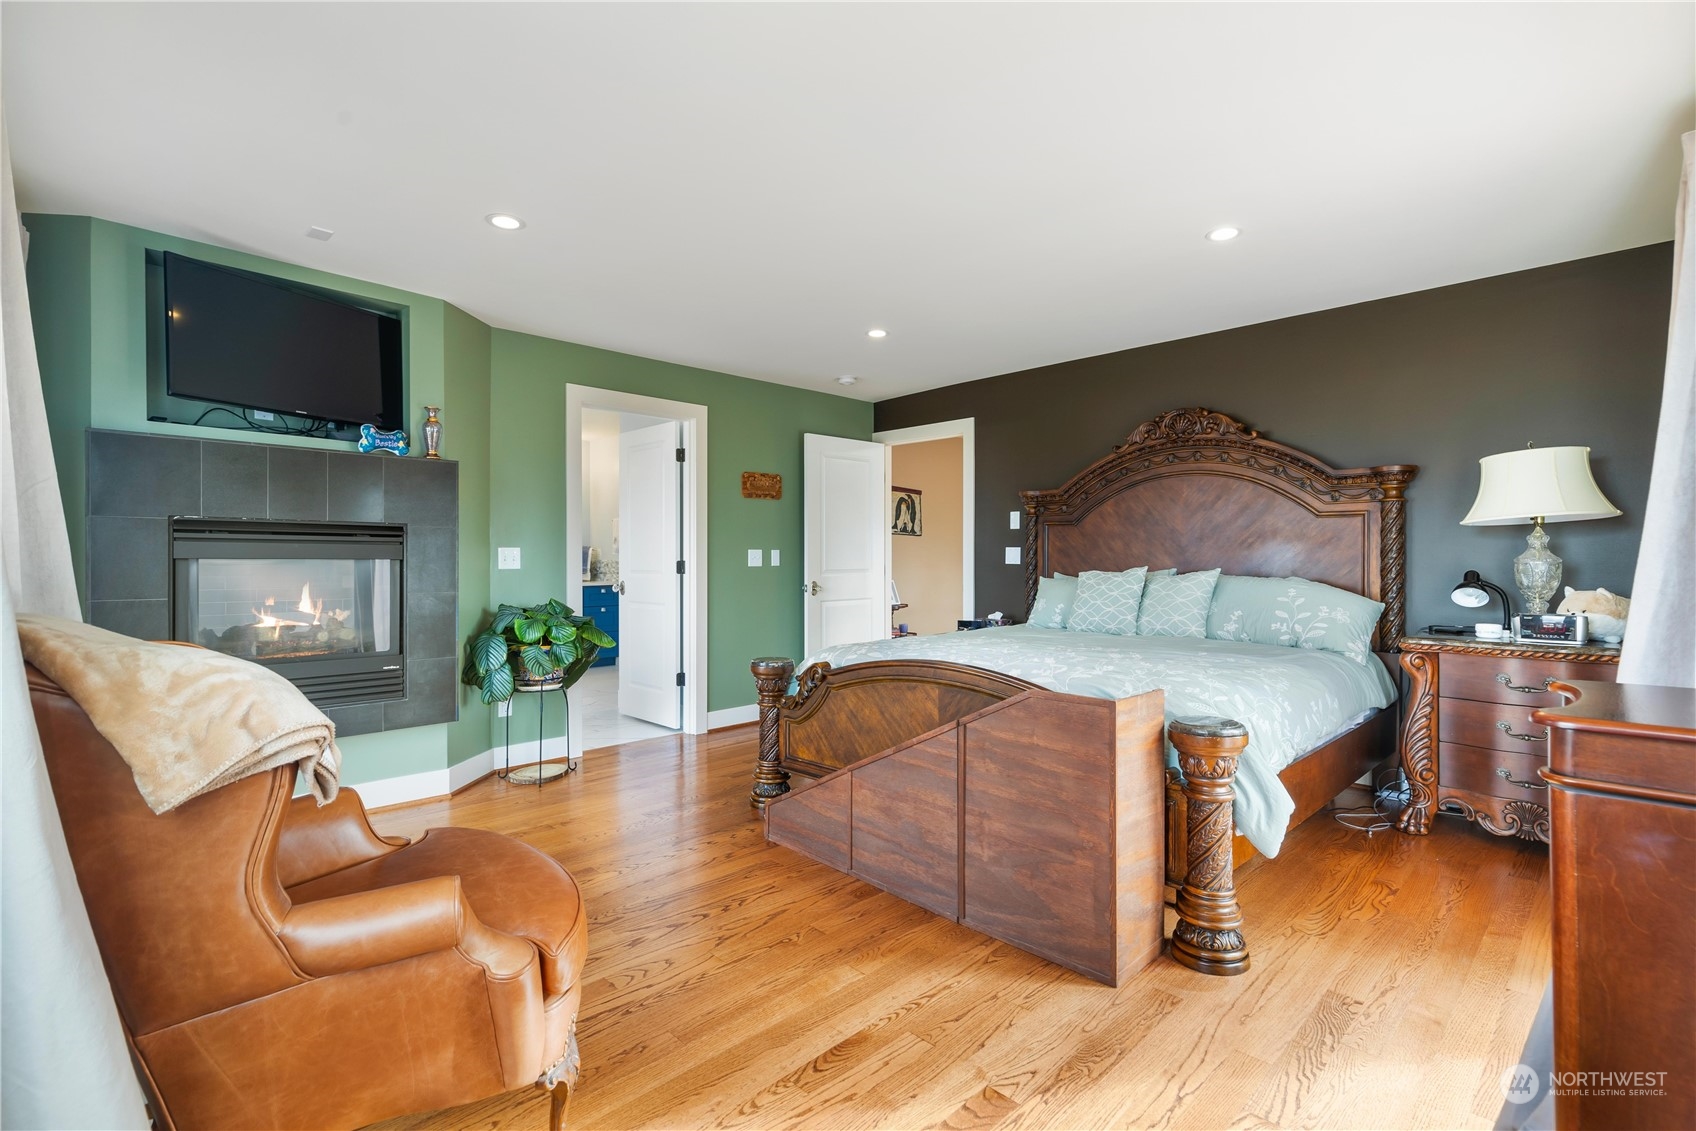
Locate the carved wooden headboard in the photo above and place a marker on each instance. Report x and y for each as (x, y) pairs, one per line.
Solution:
(1195, 489)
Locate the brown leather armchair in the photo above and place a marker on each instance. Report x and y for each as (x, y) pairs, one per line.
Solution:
(276, 964)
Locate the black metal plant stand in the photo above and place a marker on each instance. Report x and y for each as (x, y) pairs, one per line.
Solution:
(540, 773)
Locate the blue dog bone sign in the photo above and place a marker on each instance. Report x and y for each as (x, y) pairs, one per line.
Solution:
(376, 440)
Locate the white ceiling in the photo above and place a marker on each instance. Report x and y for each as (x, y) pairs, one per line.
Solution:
(749, 188)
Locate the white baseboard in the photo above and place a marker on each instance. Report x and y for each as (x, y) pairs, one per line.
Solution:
(733, 716)
(433, 784)
(398, 791)
(462, 774)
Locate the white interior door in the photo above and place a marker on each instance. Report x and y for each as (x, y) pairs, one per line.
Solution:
(650, 603)
(846, 575)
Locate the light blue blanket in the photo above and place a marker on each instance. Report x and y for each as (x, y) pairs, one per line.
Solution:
(1292, 700)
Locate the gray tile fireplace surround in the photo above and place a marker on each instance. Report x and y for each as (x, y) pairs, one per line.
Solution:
(137, 482)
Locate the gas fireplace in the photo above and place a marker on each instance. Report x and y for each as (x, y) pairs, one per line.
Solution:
(317, 602)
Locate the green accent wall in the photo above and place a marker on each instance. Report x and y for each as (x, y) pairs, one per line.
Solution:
(751, 426)
(467, 390)
(502, 396)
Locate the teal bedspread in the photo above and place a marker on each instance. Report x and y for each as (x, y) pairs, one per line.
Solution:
(1293, 700)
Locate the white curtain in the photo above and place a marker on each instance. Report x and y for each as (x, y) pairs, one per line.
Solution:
(1659, 646)
(63, 1062)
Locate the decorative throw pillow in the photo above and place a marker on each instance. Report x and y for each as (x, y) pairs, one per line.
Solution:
(1293, 612)
(1108, 602)
(1055, 597)
(1176, 604)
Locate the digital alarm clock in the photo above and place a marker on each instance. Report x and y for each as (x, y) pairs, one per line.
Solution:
(1552, 628)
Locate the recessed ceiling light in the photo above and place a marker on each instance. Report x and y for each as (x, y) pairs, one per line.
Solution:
(504, 221)
(847, 379)
(1220, 235)
(877, 333)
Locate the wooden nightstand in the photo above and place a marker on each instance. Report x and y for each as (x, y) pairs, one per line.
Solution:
(1469, 745)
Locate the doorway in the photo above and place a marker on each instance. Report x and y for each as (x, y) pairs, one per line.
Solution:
(930, 525)
(628, 505)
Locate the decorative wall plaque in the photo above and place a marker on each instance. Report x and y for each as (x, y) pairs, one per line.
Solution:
(762, 485)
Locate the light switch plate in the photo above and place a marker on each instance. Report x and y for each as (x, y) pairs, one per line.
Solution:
(1012, 520)
(503, 708)
(775, 559)
(756, 558)
(508, 558)
(1013, 555)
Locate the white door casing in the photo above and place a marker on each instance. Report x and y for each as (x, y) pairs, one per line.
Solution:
(846, 575)
(966, 429)
(650, 607)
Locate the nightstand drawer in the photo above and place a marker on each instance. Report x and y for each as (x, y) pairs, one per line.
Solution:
(1480, 771)
(1496, 679)
(1501, 726)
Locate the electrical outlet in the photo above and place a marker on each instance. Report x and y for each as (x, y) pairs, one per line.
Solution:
(1013, 555)
(259, 414)
(508, 558)
(756, 558)
(775, 559)
(1012, 520)
(503, 708)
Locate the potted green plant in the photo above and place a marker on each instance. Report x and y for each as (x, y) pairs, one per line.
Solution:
(536, 648)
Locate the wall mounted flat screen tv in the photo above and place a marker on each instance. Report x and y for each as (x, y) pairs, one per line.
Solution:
(245, 340)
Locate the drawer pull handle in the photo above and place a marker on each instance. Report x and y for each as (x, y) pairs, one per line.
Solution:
(1512, 686)
(1511, 780)
(1507, 729)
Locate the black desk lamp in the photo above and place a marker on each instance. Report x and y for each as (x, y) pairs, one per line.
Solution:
(1473, 592)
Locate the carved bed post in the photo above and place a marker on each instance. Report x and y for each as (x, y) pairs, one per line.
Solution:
(1209, 935)
(771, 675)
(1033, 567)
(1392, 552)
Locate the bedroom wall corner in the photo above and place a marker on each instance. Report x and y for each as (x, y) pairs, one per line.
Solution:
(1571, 353)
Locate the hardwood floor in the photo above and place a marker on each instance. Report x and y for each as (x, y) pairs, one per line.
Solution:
(735, 984)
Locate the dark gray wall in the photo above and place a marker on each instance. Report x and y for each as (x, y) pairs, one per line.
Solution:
(1569, 354)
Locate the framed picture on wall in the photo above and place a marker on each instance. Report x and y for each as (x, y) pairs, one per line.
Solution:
(909, 511)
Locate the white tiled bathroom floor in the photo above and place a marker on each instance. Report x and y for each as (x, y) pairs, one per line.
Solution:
(596, 697)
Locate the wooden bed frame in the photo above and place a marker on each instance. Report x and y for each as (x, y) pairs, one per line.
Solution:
(1191, 489)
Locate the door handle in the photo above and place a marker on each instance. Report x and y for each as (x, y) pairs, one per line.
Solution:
(618, 587)
(811, 588)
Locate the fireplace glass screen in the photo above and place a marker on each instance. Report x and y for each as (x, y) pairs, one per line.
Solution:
(317, 603)
(294, 608)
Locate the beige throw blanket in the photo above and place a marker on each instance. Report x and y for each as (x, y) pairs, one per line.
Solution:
(187, 720)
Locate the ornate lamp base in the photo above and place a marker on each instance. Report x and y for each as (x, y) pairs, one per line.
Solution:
(1537, 572)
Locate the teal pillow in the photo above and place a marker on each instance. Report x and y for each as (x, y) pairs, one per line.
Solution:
(1108, 602)
(1176, 604)
(1055, 597)
(1295, 613)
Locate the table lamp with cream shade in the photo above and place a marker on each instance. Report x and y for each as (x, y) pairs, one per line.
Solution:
(1537, 485)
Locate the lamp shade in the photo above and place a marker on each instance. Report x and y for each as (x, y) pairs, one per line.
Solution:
(1553, 484)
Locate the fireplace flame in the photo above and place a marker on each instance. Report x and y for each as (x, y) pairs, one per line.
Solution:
(312, 606)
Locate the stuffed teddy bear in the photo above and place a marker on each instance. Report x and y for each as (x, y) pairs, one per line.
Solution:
(1607, 612)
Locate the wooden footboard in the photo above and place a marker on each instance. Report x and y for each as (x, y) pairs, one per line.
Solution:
(840, 719)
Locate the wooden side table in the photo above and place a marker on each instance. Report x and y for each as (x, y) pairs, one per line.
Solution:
(1469, 745)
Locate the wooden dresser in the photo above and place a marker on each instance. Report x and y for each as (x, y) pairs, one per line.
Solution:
(1469, 745)
(1622, 788)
